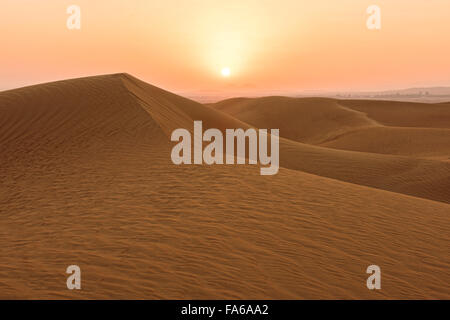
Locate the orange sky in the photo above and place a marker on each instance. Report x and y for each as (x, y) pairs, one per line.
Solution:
(269, 46)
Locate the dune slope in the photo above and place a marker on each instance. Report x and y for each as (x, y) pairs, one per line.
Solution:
(359, 125)
(403, 114)
(431, 143)
(401, 159)
(86, 179)
(309, 120)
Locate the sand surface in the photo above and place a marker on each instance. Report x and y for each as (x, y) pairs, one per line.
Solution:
(86, 179)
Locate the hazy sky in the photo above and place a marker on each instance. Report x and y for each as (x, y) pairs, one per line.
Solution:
(268, 45)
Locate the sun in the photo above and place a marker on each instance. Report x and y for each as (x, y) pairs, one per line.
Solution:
(226, 72)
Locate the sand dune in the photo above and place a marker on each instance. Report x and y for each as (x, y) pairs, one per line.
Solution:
(389, 158)
(86, 179)
(403, 114)
(318, 120)
(308, 120)
(429, 143)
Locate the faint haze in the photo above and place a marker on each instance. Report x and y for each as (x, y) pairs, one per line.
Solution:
(431, 95)
(270, 46)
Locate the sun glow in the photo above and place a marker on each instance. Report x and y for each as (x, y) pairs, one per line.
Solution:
(226, 72)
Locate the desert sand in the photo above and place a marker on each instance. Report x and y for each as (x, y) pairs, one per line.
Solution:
(86, 179)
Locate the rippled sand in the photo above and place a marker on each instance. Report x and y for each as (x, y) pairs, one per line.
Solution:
(86, 179)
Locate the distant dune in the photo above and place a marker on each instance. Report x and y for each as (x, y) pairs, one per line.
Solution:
(429, 143)
(309, 120)
(307, 124)
(425, 94)
(313, 120)
(86, 178)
